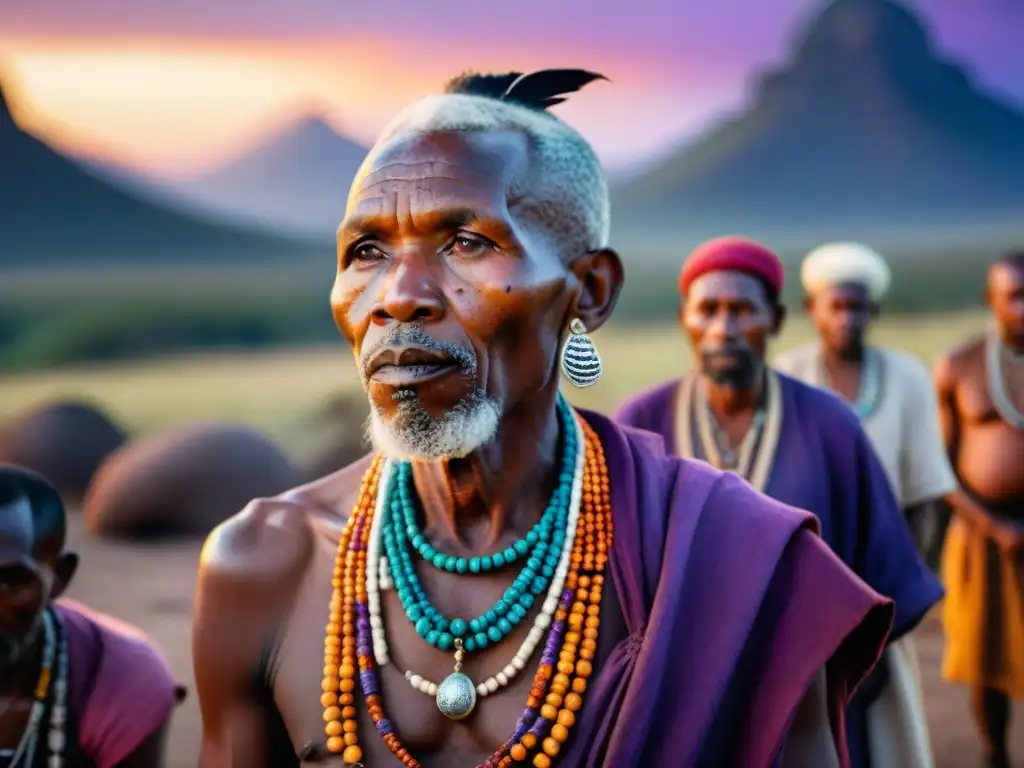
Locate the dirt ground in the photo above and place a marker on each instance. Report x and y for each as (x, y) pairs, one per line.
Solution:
(152, 587)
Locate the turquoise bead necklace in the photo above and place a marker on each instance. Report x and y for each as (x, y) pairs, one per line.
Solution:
(541, 547)
(869, 391)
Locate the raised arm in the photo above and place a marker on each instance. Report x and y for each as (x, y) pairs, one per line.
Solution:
(249, 571)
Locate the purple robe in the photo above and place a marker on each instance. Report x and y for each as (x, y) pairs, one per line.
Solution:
(733, 606)
(824, 463)
(120, 689)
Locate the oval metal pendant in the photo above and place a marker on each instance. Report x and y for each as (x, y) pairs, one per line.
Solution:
(456, 696)
(580, 362)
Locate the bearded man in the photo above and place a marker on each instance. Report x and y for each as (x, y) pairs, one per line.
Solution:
(77, 688)
(798, 444)
(507, 580)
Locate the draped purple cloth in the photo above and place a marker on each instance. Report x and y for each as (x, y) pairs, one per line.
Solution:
(120, 687)
(825, 464)
(732, 603)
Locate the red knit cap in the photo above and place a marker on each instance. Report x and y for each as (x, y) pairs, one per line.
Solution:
(737, 254)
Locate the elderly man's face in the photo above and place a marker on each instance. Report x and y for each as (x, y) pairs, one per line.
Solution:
(454, 306)
(728, 318)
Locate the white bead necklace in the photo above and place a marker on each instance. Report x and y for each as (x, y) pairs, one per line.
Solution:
(541, 622)
(994, 353)
(56, 645)
(375, 566)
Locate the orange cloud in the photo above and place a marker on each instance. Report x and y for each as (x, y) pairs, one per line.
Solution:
(178, 106)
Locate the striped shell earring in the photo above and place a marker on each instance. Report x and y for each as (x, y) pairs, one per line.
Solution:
(580, 362)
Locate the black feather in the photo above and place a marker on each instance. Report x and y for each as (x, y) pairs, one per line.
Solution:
(475, 84)
(538, 90)
(543, 89)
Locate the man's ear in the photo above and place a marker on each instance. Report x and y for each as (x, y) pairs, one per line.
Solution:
(64, 572)
(601, 277)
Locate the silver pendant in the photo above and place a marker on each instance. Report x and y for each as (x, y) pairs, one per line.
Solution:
(580, 362)
(456, 695)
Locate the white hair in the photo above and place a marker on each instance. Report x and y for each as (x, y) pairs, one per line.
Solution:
(565, 182)
(412, 434)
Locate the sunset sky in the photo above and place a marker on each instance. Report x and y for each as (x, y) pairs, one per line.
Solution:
(177, 86)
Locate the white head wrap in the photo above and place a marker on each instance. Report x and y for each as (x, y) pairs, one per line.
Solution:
(837, 263)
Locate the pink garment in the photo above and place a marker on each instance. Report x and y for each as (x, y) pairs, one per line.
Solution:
(120, 688)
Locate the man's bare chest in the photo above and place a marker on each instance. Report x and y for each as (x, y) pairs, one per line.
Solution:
(432, 738)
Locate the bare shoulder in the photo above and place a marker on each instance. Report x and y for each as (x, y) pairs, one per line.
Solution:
(270, 542)
(965, 360)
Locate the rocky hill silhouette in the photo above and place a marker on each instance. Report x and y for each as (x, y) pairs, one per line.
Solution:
(867, 127)
(53, 210)
(296, 179)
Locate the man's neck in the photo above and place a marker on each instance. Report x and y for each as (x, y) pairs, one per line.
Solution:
(845, 358)
(1013, 344)
(729, 402)
(503, 486)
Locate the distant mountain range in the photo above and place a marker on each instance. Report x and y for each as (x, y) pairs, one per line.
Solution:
(866, 129)
(53, 210)
(296, 180)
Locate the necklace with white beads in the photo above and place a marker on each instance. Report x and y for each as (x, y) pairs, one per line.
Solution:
(378, 566)
(56, 645)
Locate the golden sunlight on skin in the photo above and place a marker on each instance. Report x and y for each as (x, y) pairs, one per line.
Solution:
(177, 108)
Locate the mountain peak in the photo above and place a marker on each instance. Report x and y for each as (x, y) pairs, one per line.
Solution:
(868, 121)
(855, 30)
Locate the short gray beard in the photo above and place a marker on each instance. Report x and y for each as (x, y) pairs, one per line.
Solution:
(412, 434)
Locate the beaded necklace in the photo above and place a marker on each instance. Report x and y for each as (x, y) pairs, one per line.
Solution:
(355, 639)
(869, 390)
(55, 646)
(995, 352)
(543, 543)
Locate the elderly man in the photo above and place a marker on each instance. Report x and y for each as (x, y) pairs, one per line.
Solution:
(796, 443)
(891, 393)
(980, 388)
(77, 689)
(515, 581)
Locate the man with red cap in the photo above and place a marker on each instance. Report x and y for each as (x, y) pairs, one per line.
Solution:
(796, 443)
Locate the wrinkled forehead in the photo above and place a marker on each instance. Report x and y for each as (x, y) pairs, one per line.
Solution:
(727, 286)
(16, 533)
(450, 168)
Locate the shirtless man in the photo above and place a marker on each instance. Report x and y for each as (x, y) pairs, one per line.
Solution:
(688, 620)
(980, 387)
(77, 688)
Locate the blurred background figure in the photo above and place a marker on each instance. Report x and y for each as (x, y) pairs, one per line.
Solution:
(78, 688)
(981, 395)
(890, 392)
(171, 181)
